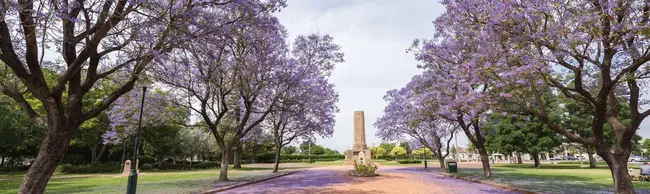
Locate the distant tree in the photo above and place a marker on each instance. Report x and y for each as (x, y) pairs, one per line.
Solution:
(516, 133)
(387, 146)
(406, 146)
(289, 150)
(398, 152)
(90, 135)
(646, 143)
(378, 152)
(162, 141)
(421, 152)
(19, 136)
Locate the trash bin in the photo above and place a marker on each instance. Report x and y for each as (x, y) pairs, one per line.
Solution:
(452, 167)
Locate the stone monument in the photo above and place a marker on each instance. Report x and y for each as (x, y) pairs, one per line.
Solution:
(359, 151)
(127, 168)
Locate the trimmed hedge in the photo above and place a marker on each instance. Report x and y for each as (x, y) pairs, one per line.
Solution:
(578, 162)
(409, 161)
(270, 157)
(89, 168)
(186, 166)
(146, 167)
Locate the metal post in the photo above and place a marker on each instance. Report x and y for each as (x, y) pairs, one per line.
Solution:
(133, 176)
(425, 159)
(309, 153)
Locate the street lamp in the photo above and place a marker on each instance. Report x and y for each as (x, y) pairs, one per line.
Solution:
(133, 176)
(425, 158)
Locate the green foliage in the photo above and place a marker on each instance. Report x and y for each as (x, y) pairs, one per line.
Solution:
(89, 168)
(146, 167)
(517, 133)
(421, 152)
(289, 150)
(206, 165)
(363, 170)
(187, 166)
(19, 136)
(270, 157)
(378, 152)
(315, 149)
(406, 146)
(408, 161)
(398, 152)
(646, 143)
(387, 146)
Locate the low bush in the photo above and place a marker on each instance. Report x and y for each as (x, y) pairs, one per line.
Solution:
(579, 162)
(363, 170)
(146, 167)
(206, 165)
(186, 166)
(177, 166)
(409, 161)
(89, 168)
(270, 157)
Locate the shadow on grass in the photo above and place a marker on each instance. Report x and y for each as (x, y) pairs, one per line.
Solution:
(540, 182)
(550, 166)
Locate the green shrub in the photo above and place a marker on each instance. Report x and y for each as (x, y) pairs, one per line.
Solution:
(409, 161)
(177, 166)
(186, 166)
(89, 168)
(206, 165)
(146, 167)
(146, 159)
(363, 170)
(270, 157)
(578, 162)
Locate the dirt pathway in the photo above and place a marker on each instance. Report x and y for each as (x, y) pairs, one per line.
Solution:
(333, 179)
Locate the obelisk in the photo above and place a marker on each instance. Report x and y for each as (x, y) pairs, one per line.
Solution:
(359, 131)
(359, 145)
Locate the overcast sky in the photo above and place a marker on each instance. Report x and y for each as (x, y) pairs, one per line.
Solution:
(374, 36)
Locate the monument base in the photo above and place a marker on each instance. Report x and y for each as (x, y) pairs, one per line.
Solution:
(360, 156)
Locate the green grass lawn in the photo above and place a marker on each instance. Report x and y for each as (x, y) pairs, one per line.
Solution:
(552, 178)
(148, 182)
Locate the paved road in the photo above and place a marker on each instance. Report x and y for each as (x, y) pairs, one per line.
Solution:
(400, 180)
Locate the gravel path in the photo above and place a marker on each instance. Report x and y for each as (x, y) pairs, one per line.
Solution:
(333, 179)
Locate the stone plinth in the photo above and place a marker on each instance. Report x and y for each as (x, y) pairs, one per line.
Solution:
(127, 167)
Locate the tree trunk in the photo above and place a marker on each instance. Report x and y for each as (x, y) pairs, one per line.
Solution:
(3, 161)
(536, 159)
(485, 159)
(236, 157)
(161, 159)
(519, 161)
(442, 162)
(618, 167)
(98, 157)
(592, 160)
(277, 159)
(223, 173)
(50, 154)
(441, 158)
(93, 153)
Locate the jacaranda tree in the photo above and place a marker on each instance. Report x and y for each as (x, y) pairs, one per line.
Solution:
(93, 40)
(524, 45)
